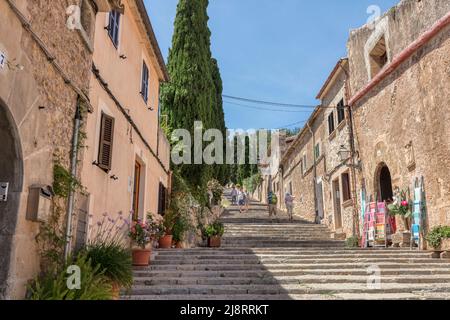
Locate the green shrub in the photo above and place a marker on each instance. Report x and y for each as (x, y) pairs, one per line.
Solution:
(436, 235)
(352, 242)
(215, 229)
(54, 285)
(114, 262)
(180, 227)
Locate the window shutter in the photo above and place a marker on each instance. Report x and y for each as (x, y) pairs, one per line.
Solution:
(331, 123)
(113, 27)
(346, 186)
(162, 199)
(144, 82)
(106, 142)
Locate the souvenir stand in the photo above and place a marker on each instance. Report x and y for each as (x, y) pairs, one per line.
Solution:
(377, 230)
(419, 214)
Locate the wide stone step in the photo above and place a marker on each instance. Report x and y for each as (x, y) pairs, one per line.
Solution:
(308, 297)
(307, 279)
(282, 251)
(176, 258)
(416, 271)
(282, 243)
(287, 266)
(253, 261)
(314, 288)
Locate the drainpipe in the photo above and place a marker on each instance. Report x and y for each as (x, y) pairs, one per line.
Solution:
(316, 209)
(73, 165)
(355, 227)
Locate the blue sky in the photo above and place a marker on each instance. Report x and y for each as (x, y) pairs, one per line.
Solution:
(276, 50)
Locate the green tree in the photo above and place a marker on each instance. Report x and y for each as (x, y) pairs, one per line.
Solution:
(195, 88)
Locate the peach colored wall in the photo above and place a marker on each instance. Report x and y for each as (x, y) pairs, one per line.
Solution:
(123, 77)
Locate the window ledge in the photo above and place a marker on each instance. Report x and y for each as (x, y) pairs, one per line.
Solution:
(332, 135)
(341, 125)
(347, 203)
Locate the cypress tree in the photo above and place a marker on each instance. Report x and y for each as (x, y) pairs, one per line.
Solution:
(191, 94)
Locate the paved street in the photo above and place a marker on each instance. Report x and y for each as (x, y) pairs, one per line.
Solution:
(261, 260)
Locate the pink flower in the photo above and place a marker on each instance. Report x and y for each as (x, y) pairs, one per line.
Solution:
(404, 203)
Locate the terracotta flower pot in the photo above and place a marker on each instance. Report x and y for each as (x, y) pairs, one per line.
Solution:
(115, 291)
(166, 242)
(214, 242)
(141, 257)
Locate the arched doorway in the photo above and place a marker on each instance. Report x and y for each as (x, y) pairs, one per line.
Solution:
(384, 183)
(11, 174)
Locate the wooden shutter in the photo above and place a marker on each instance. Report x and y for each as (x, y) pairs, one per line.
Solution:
(144, 82)
(106, 142)
(341, 111)
(113, 27)
(331, 123)
(162, 199)
(346, 186)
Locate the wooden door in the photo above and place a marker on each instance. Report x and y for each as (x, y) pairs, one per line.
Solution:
(136, 192)
(337, 204)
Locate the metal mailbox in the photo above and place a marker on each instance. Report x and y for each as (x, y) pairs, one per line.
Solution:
(39, 203)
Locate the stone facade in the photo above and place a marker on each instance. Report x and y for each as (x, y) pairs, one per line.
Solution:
(402, 121)
(339, 202)
(396, 81)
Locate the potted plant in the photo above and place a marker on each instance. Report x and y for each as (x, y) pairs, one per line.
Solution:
(166, 229)
(142, 234)
(401, 207)
(214, 233)
(439, 238)
(108, 250)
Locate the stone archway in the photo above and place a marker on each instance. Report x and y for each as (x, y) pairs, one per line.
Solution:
(11, 172)
(383, 183)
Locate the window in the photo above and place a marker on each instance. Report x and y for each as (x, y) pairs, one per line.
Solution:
(317, 151)
(144, 82)
(113, 27)
(346, 194)
(378, 57)
(106, 142)
(331, 123)
(341, 111)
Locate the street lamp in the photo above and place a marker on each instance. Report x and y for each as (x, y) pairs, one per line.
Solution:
(345, 155)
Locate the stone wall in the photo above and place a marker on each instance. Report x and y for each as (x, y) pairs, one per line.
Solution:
(334, 166)
(302, 178)
(43, 106)
(403, 121)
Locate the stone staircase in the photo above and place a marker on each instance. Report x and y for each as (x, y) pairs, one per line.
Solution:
(263, 260)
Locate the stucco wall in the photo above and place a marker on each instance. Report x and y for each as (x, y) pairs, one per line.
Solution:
(123, 77)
